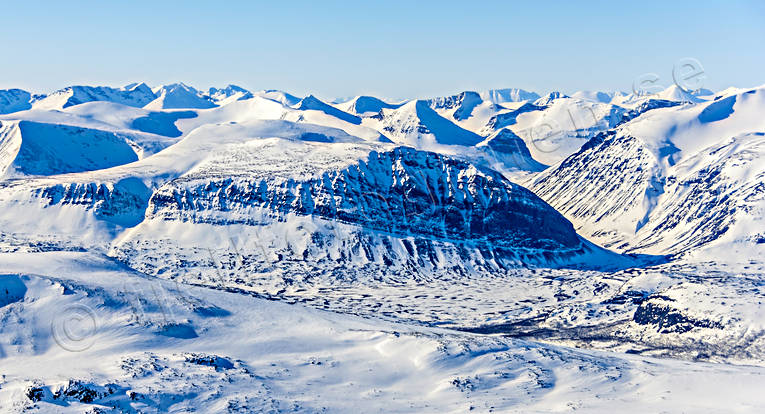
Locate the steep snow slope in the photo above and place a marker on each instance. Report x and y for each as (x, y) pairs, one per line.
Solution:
(136, 95)
(417, 124)
(557, 127)
(14, 100)
(686, 175)
(506, 152)
(33, 148)
(366, 105)
(460, 107)
(311, 103)
(714, 199)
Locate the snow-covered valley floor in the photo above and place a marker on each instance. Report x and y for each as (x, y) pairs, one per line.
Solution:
(89, 334)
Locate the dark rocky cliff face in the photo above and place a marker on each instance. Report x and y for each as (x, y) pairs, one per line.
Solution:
(403, 192)
(305, 217)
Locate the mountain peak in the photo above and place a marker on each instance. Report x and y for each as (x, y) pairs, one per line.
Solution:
(177, 96)
(367, 104)
(499, 96)
(311, 102)
(549, 98)
(230, 93)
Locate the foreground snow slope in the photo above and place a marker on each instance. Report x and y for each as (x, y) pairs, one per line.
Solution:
(127, 343)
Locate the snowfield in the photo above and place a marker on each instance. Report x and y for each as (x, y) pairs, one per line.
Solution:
(91, 334)
(172, 249)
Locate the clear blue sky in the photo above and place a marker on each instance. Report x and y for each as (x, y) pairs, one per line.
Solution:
(386, 48)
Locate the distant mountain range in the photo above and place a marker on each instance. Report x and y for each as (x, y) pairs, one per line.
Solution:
(584, 138)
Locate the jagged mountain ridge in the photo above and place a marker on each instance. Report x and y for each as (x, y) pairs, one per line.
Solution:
(137, 95)
(551, 131)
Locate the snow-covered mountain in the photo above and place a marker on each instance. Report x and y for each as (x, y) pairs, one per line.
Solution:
(314, 195)
(550, 98)
(312, 103)
(366, 105)
(230, 93)
(279, 96)
(394, 208)
(179, 95)
(510, 151)
(417, 124)
(137, 95)
(14, 100)
(555, 128)
(689, 176)
(459, 106)
(469, 111)
(500, 96)
(598, 96)
(48, 149)
(401, 236)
